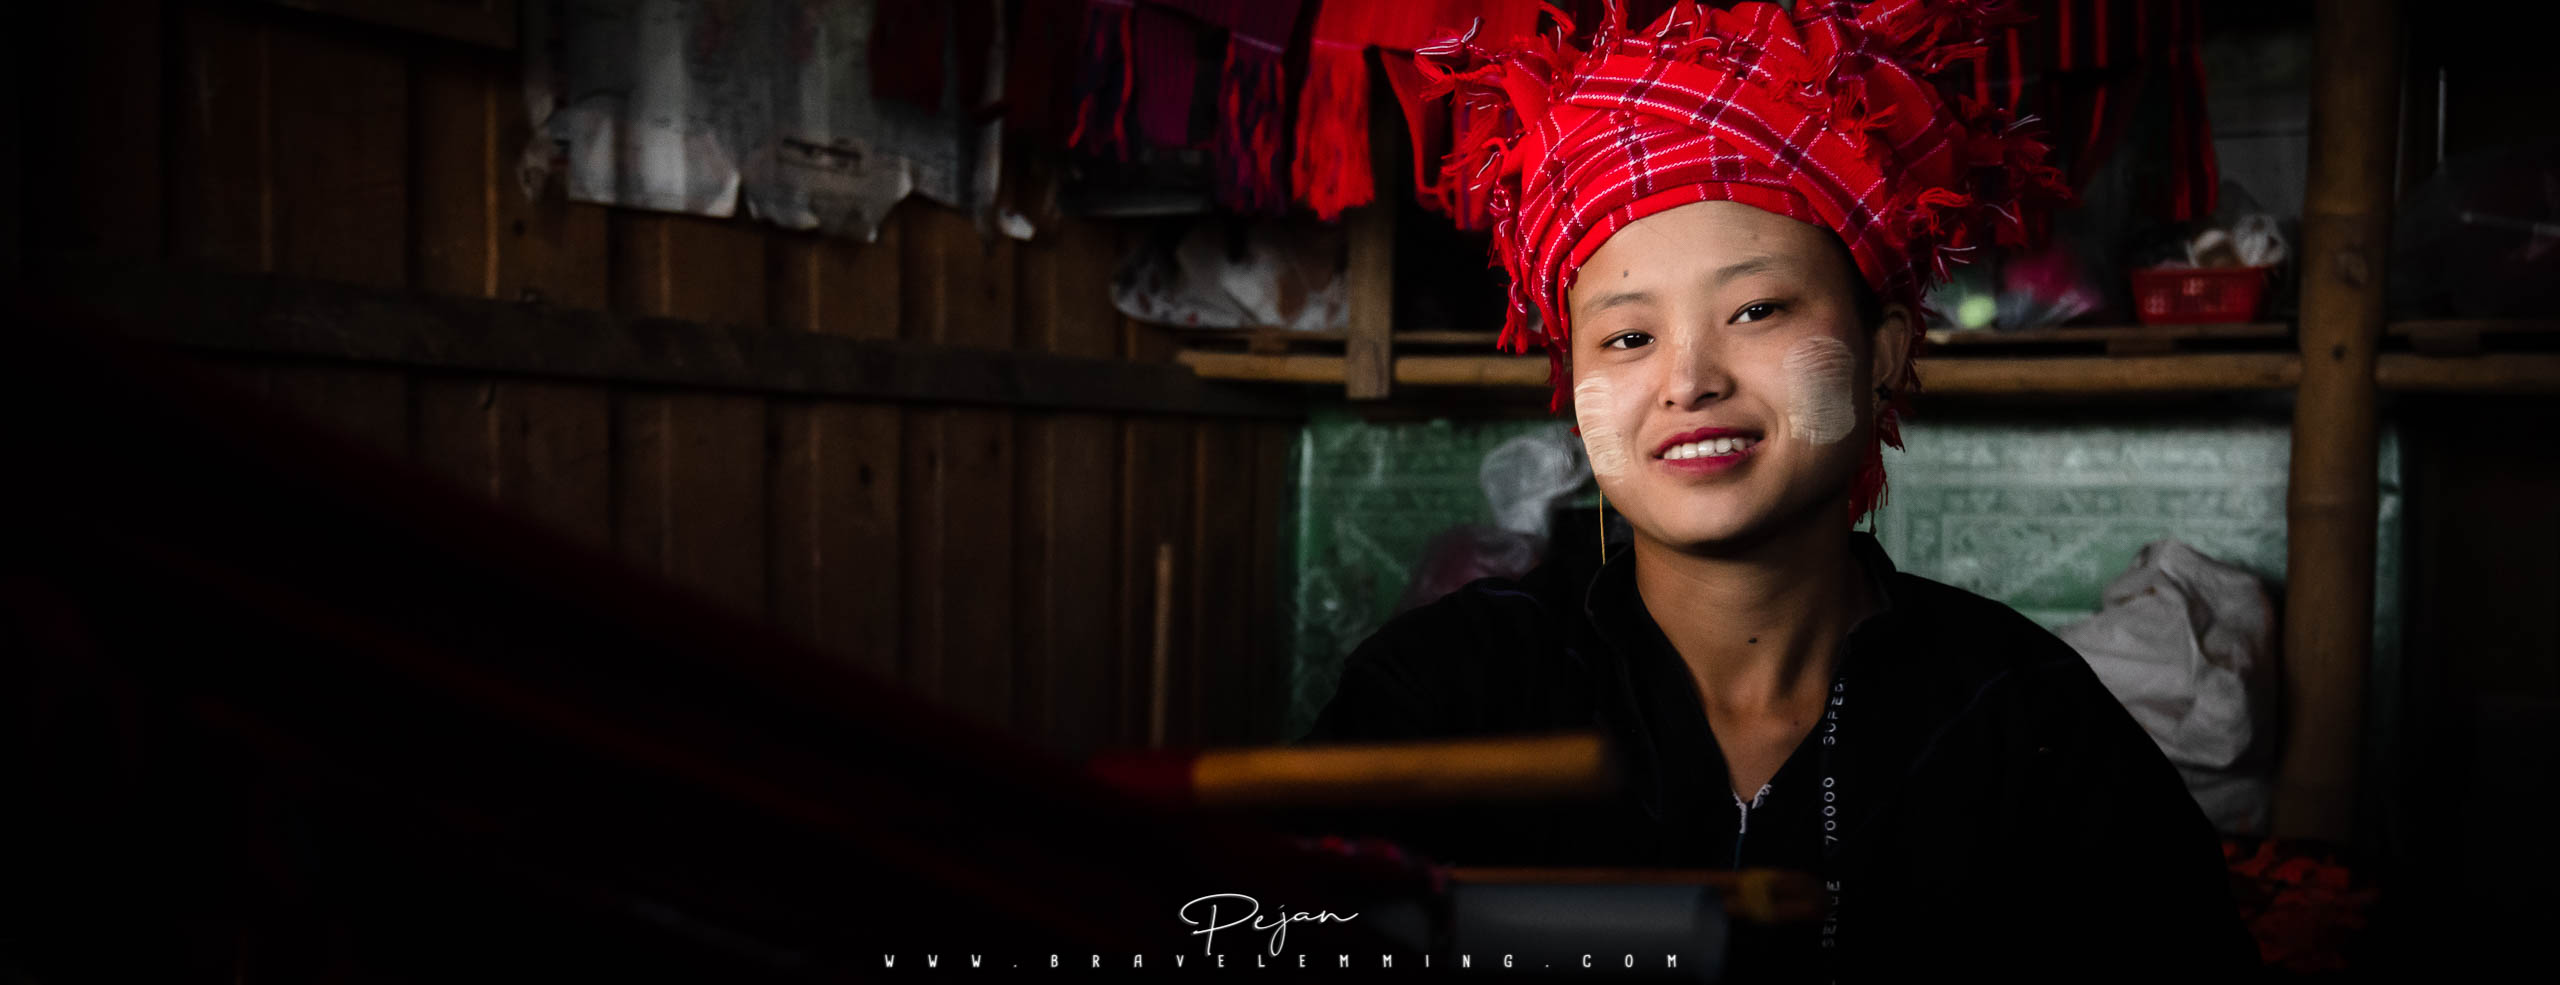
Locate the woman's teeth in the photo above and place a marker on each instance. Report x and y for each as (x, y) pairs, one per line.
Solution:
(1709, 448)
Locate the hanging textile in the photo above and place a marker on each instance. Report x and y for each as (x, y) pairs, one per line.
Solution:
(1142, 59)
(1332, 171)
(2100, 59)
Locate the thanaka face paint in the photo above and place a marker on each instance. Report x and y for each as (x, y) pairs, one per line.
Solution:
(1601, 440)
(1821, 407)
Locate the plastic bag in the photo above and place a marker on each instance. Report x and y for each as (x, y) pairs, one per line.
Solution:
(1228, 273)
(1523, 479)
(2187, 643)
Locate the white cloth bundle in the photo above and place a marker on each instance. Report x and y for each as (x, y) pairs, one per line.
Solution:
(2187, 644)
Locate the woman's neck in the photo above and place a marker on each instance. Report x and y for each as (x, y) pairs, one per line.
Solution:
(1759, 629)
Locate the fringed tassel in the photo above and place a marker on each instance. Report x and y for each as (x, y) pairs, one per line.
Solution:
(1867, 492)
(1249, 119)
(1332, 170)
(1106, 78)
(1558, 381)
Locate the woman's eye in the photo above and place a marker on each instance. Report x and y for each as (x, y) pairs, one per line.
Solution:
(1627, 340)
(1756, 311)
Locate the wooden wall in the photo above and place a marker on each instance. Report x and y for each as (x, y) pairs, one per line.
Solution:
(1001, 561)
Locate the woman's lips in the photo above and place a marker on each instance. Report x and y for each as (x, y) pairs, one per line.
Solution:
(1715, 454)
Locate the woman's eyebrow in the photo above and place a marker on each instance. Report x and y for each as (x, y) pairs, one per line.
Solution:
(1748, 265)
(1616, 298)
(1760, 264)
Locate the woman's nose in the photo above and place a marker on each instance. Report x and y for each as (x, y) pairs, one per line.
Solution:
(1697, 372)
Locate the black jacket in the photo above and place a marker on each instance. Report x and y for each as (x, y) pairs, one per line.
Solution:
(2000, 815)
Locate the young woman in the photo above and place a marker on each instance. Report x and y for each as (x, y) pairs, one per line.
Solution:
(1722, 226)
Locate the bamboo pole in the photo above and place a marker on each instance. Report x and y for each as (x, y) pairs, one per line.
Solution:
(1370, 349)
(2331, 499)
(1408, 773)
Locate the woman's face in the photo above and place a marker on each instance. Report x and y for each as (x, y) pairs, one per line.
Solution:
(1721, 378)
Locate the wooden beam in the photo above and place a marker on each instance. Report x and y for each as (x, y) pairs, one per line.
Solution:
(486, 23)
(276, 316)
(1369, 351)
(2331, 501)
(2109, 374)
(2075, 375)
(2501, 373)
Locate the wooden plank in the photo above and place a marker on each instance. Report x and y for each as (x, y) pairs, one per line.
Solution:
(486, 23)
(836, 528)
(2502, 373)
(688, 487)
(460, 175)
(221, 186)
(689, 267)
(1067, 493)
(2477, 327)
(551, 250)
(1155, 514)
(958, 284)
(457, 431)
(478, 234)
(454, 251)
(2331, 497)
(1065, 292)
(689, 468)
(1067, 556)
(922, 548)
(1221, 583)
(836, 465)
(958, 289)
(1941, 376)
(977, 488)
(91, 99)
(2166, 335)
(555, 456)
(1265, 368)
(541, 448)
(340, 156)
(246, 315)
(368, 404)
(833, 287)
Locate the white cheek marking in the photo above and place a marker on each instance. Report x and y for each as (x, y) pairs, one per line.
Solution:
(1819, 407)
(1600, 438)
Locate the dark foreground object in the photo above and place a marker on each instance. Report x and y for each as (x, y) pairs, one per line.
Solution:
(281, 711)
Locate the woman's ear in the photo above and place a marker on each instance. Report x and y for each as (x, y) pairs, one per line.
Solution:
(1890, 343)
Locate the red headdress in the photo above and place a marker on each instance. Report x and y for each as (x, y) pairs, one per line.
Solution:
(1824, 115)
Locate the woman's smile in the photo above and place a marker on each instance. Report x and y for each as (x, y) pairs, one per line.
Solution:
(1707, 457)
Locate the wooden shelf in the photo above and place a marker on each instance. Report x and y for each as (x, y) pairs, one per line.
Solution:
(2065, 375)
(1946, 374)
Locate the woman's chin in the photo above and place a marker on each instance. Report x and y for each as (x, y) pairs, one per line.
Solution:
(1725, 527)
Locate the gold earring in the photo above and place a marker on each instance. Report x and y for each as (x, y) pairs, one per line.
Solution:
(1603, 514)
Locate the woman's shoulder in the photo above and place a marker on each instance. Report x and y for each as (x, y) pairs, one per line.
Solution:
(1983, 637)
(1464, 662)
(1484, 626)
(1990, 663)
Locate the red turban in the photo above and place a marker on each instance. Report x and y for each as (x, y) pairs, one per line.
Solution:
(1823, 115)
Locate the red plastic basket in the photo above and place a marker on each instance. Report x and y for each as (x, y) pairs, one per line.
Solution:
(2198, 295)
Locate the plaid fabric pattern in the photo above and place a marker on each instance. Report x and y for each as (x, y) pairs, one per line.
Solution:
(1825, 115)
